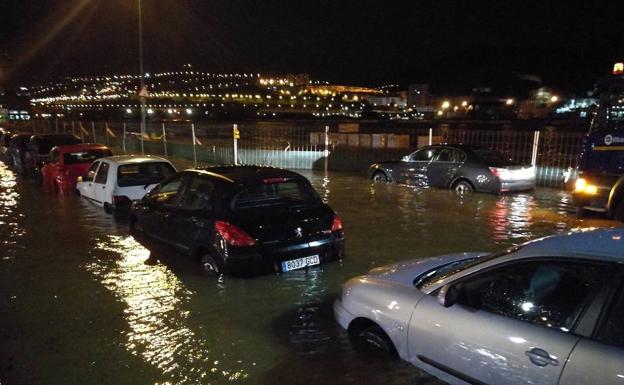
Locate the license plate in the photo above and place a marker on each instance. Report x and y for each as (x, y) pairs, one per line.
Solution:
(300, 263)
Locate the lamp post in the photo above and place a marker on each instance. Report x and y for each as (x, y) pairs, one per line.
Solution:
(142, 86)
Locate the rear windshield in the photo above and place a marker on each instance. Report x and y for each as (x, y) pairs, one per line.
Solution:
(492, 157)
(84, 156)
(290, 193)
(46, 144)
(141, 174)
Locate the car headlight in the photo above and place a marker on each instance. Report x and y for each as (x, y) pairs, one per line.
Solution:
(582, 186)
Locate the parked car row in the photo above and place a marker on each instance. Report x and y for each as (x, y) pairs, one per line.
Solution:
(545, 312)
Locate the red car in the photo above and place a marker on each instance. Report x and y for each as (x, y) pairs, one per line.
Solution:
(67, 163)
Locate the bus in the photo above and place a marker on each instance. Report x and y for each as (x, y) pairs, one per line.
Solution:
(600, 170)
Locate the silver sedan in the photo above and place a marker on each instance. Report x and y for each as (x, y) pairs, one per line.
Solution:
(550, 311)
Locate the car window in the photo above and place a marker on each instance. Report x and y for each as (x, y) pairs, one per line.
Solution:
(102, 174)
(289, 193)
(167, 192)
(450, 155)
(198, 195)
(425, 154)
(141, 174)
(84, 156)
(612, 329)
(548, 293)
(91, 171)
(54, 156)
(492, 157)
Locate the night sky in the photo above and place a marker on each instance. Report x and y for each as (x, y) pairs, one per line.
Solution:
(453, 45)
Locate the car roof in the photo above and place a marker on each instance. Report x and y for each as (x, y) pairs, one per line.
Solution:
(599, 244)
(129, 159)
(80, 147)
(245, 175)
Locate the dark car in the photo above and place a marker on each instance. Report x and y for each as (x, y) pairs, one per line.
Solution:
(457, 167)
(17, 147)
(39, 148)
(242, 219)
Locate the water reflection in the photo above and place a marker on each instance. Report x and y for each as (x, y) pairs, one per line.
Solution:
(10, 217)
(156, 313)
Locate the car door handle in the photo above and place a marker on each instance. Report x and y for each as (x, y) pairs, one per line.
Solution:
(103, 187)
(540, 357)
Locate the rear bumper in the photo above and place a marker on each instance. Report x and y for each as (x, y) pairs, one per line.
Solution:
(269, 259)
(517, 185)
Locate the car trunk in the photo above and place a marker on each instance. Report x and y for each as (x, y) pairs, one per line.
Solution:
(286, 225)
(512, 173)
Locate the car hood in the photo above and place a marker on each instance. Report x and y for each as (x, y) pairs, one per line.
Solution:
(405, 272)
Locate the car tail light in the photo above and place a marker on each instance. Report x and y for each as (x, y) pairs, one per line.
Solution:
(233, 235)
(121, 200)
(495, 171)
(336, 224)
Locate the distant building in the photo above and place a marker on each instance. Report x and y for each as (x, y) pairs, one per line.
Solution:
(418, 95)
(298, 80)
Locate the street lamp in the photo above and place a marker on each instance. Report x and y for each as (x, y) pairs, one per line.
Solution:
(142, 89)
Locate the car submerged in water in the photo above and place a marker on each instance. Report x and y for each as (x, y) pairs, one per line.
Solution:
(242, 220)
(546, 312)
(462, 168)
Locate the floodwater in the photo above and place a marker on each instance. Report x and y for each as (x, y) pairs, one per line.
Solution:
(81, 302)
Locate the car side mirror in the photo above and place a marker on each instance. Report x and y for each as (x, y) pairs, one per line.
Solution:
(448, 295)
(406, 158)
(79, 179)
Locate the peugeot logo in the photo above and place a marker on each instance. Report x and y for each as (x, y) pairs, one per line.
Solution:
(298, 232)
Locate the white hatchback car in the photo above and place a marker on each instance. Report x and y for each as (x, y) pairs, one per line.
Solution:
(116, 181)
(550, 311)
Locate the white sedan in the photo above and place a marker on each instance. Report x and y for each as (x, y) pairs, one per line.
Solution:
(116, 181)
(547, 312)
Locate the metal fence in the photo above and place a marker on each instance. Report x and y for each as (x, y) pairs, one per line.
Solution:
(316, 146)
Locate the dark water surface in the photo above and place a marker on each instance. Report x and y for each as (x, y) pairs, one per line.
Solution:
(81, 302)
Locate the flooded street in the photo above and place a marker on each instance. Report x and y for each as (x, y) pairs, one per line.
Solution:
(82, 302)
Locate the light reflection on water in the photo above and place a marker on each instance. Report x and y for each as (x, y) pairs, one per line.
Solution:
(10, 217)
(155, 300)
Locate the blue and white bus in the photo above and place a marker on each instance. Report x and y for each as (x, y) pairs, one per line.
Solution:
(600, 182)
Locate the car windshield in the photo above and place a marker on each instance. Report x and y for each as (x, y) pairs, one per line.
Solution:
(84, 156)
(289, 193)
(443, 271)
(492, 157)
(141, 174)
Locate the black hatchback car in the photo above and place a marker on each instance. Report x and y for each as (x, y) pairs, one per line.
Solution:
(241, 219)
(457, 167)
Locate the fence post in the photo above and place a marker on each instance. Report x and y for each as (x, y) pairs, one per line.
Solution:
(194, 144)
(73, 128)
(164, 138)
(56, 125)
(106, 133)
(235, 135)
(143, 132)
(124, 138)
(93, 131)
(430, 136)
(536, 136)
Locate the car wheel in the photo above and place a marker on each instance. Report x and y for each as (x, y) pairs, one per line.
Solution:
(618, 213)
(379, 176)
(107, 208)
(463, 187)
(209, 266)
(374, 340)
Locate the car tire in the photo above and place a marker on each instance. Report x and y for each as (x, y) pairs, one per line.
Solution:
(209, 265)
(379, 176)
(618, 213)
(373, 340)
(107, 208)
(462, 187)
